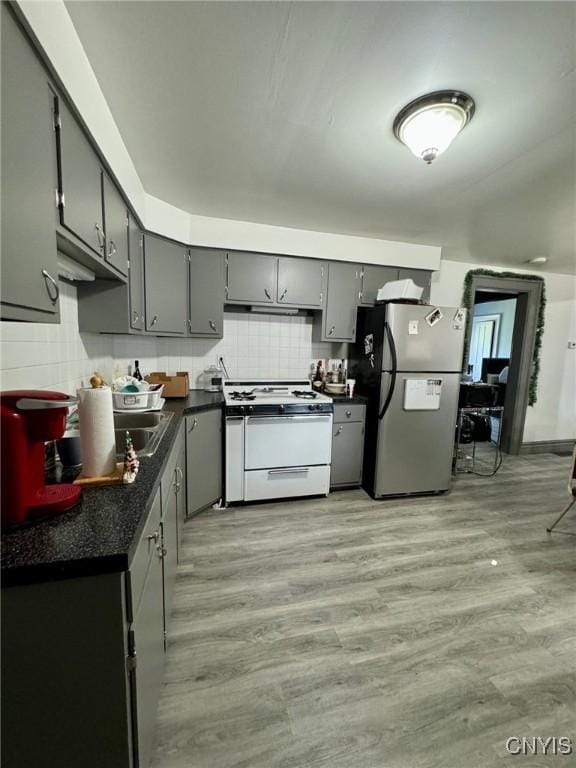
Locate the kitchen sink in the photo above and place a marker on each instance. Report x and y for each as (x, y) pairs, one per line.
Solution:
(146, 431)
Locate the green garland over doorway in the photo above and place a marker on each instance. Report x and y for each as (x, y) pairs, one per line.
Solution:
(468, 303)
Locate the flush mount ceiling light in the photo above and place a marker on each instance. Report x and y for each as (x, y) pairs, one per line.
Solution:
(429, 124)
(538, 260)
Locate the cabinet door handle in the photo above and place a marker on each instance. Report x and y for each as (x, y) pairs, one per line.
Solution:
(112, 251)
(348, 413)
(154, 536)
(189, 324)
(194, 425)
(100, 235)
(162, 551)
(331, 331)
(212, 325)
(339, 430)
(268, 294)
(284, 292)
(135, 316)
(154, 321)
(49, 280)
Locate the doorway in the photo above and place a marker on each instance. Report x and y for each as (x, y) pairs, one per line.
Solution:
(502, 331)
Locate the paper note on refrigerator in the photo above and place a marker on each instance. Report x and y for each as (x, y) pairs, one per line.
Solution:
(422, 394)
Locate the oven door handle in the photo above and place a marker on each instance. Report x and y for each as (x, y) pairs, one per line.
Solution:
(304, 417)
(289, 471)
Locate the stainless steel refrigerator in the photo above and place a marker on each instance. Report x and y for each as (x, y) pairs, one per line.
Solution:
(407, 361)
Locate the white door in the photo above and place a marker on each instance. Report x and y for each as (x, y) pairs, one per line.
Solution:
(483, 341)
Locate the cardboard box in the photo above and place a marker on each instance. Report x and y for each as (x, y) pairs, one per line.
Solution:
(174, 386)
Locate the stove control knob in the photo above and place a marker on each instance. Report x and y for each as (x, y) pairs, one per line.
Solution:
(281, 408)
(310, 407)
(250, 408)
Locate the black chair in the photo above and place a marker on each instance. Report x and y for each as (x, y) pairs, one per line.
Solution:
(571, 491)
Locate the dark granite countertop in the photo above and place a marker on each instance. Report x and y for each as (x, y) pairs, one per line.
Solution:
(342, 399)
(100, 534)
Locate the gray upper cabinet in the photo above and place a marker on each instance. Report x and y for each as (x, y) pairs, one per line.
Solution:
(166, 277)
(421, 277)
(206, 293)
(115, 227)
(300, 282)
(80, 183)
(29, 272)
(339, 317)
(373, 278)
(251, 278)
(203, 459)
(136, 274)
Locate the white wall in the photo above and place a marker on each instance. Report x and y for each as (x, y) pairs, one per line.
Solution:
(554, 415)
(507, 311)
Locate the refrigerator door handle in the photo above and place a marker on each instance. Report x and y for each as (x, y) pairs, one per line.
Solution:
(393, 372)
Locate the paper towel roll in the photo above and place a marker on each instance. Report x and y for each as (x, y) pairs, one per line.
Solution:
(97, 437)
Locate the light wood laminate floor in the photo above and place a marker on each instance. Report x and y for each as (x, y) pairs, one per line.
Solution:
(349, 633)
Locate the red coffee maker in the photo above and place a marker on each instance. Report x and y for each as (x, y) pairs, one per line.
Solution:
(29, 419)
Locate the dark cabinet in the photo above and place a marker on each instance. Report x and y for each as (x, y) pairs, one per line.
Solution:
(115, 227)
(80, 173)
(165, 279)
(347, 444)
(204, 448)
(29, 271)
(136, 275)
(206, 292)
(301, 282)
(421, 277)
(251, 278)
(339, 317)
(373, 278)
(146, 633)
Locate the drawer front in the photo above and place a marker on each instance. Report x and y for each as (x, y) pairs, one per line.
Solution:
(347, 453)
(349, 412)
(286, 482)
(147, 548)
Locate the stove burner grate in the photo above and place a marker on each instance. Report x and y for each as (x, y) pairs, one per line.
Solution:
(305, 394)
(242, 396)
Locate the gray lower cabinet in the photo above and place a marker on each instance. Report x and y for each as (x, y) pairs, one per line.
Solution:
(80, 173)
(88, 687)
(146, 635)
(339, 317)
(115, 227)
(301, 282)
(421, 277)
(373, 278)
(204, 449)
(251, 278)
(166, 280)
(206, 292)
(29, 272)
(347, 445)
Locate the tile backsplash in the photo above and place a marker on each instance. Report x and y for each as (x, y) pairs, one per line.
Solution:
(263, 346)
(43, 356)
(52, 356)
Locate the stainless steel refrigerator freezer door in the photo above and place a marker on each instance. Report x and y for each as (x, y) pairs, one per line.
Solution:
(414, 447)
(420, 347)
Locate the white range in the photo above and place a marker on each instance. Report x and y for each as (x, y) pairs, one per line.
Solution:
(278, 440)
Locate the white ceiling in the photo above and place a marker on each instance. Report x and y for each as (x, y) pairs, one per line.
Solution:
(281, 113)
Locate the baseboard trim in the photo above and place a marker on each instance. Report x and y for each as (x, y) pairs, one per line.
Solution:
(547, 446)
